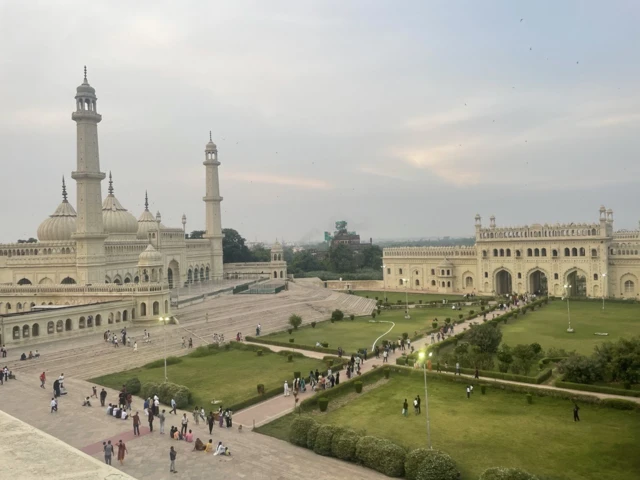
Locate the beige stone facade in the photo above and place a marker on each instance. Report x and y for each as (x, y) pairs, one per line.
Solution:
(591, 260)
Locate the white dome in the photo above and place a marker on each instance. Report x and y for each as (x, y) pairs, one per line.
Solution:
(59, 226)
(147, 222)
(115, 218)
(150, 257)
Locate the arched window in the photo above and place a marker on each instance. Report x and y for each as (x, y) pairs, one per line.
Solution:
(554, 253)
(448, 284)
(59, 326)
(443, 284)
(89, 321)
(529, 252)
(582, 252)
(417, 282)
(98, 320)
(495, 252)
(629, 287)
(156, 308)
(555, 276)
(81, 322)
(24, 281)
(125, 315)
(448, 272)
(143, 309)
(484, 253)
(508, 252)
(502, 252)
(16, 333)
(275, 274)
(25, 331)
(433, 271)
(518, 253)
(595, 276)
(543, 252)
(468, 282)
(567, 252)
(536, 252)
(400, 282)
(400, 271)
(433, 283)
(50, 328)
(68, 325)
(68, 281)
(574, 252)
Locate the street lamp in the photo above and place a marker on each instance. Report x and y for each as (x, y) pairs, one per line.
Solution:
(406, 298)
(422, 357)
(566, 293)
(164, 321)
(604, 284)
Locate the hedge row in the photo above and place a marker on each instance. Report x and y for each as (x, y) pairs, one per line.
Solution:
(294, 345)
(167, 391)
(597, 389)
(501, 473)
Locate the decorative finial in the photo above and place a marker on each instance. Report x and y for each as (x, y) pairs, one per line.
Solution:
(85, 74)
(210, 138)
(110, 184)
(64, 190)
(146, 201)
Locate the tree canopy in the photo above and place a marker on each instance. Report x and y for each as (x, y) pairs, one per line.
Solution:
(233, 247)
(486, 337)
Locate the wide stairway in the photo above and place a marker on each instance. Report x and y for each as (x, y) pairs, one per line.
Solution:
(89, 356)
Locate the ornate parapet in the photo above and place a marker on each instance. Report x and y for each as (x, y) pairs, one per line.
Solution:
(441, 252)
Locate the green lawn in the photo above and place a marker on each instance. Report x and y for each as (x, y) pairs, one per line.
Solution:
(352, 335)
(497, 429)
(393, 297)
(548, 326)
(230, 376)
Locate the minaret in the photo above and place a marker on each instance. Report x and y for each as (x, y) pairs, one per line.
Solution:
(212, 201)
(89, 236)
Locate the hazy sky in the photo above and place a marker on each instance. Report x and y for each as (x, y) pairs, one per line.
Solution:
(405, 118)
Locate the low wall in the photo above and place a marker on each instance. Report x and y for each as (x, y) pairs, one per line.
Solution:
(354, 284)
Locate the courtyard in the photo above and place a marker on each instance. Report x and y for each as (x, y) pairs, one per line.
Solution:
(496, 429)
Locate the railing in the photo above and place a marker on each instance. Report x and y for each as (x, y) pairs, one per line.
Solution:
(104, 288)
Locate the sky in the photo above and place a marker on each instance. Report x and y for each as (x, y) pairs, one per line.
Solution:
(403, 118)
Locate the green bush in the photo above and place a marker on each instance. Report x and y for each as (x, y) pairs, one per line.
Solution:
(202, 351)
(148, 389)
(529, 398)
(412, 462)
(313, 324)
(501, 473)
(289, 358)
(352, 317)
(260, 389)
(133, 385)
(619, 404)
(323, 403)
(483, 389)
(343, 445)
(598, 389)
(381, 455)
(386, 372)
(323, 440)
(259, 353)
(312, 433)
(160, 363)
(373, 314)
(358, 386)
(405, 335)
(289, 331)
(434, 324)
(291, 340)
(299, 430)
(437, 465)
(337, 315)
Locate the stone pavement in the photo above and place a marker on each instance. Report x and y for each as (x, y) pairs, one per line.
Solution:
(254, 456)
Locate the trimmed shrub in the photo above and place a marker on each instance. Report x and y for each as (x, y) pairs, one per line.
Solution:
(373, 314)
(160, 363)
(381, 455)
(148, 389)
(291, 340)
(619, 404)
(259, 353)
(358, 386)
(412, 462)
(313, 324)
(133, 385)
(289, 331)
(343, 445)
(289, 358)
(260, 389)
(529, 398)
(312, 433)
(299, 430)
(323, 440)
(438, 465)
(483, 389)
(386, 372)
(325, 345)
(501, 473)
(434, 324)
(352, 317)
(597, 388)
(337, 315)
(323, 403)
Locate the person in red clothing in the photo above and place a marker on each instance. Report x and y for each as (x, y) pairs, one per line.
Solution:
(43, 378)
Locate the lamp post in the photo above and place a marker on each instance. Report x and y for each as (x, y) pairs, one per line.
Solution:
(604, 284)
(422, 357)
(164, 321)
(566, 292)
(406, 298)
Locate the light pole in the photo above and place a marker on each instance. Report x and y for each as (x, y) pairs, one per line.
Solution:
(406, 298)
(604, 284)
(422, 357)
(164, 321)
(566, 292)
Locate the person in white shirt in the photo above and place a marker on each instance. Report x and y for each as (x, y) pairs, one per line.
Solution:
(219, 449)
(54, 405)
(123, 415)
(286, 388)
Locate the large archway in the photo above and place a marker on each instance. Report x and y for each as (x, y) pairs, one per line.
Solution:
(577, 282)
(503, 283)
(538, 283)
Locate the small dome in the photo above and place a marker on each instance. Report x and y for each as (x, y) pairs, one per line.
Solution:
(276, 247)
(147, 222)
(85, 90)
(150, 257)
(116, 219)
(62, 224)
(211, 147)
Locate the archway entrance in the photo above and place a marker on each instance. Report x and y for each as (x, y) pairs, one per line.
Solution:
(503, 283)
(538, 283)
(578, 282)
(173, 274)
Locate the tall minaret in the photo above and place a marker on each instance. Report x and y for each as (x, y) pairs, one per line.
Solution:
(212, 201)
(89, 236)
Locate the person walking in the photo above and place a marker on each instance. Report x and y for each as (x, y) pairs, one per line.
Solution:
(135, 346)
(476, 374)
(94, 392)
(107, 448)
(136, 424)
(150, 418)
(405, 408)
(161, 417)
(173, 406)
(415, 405)
(419, 401)
(196, 414)
(468, 391)
(457, 368)
(385, 356)
(103, 396)
(286, 388)
(185, 422)
(122, 449)
(576, 410)
(172, 458)
(54, 405)
(43, 378)
(210, 421)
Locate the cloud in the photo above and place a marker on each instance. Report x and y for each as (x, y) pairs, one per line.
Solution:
(271, 179)
(611, 121)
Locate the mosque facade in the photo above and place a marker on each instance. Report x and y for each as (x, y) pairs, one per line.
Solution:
(580, 260)
(97, 265)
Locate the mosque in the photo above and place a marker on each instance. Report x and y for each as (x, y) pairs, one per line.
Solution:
(576, 259)
(97, 265)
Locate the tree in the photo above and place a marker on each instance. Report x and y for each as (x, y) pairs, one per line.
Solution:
(524, 358)
(233, 248)
(295, 321)
(337, 315)
(486, 337)
(305, 261)
(372, 257)
(504, 357)
(29, 240)
(582, 369)
(260, 254)
(621, 360)
(342, 259)
(197, 234)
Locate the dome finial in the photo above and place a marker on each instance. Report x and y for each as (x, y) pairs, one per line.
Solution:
(210, 138)
(110, 184)
(146, 201)
(85, 74)
(64, 190)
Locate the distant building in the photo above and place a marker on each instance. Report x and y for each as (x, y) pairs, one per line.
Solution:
(343, 237)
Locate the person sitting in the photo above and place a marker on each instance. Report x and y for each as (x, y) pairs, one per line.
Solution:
(189, 437)
(227, 451)
(23, 357)
(124, 415)
(116, 412)
(219, 449)
(110, 410)
(30, 354)
(199, 446)
(209, 447)
(86, 402)
(172, 431)
(36, 355)
(177, 435)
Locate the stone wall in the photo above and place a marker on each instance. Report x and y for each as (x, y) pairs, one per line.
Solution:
(354, 284)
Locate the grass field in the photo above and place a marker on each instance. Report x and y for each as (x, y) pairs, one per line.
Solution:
(548, 326)
(230, 376)
(497, 429)
(393, 297)
(352, 335)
